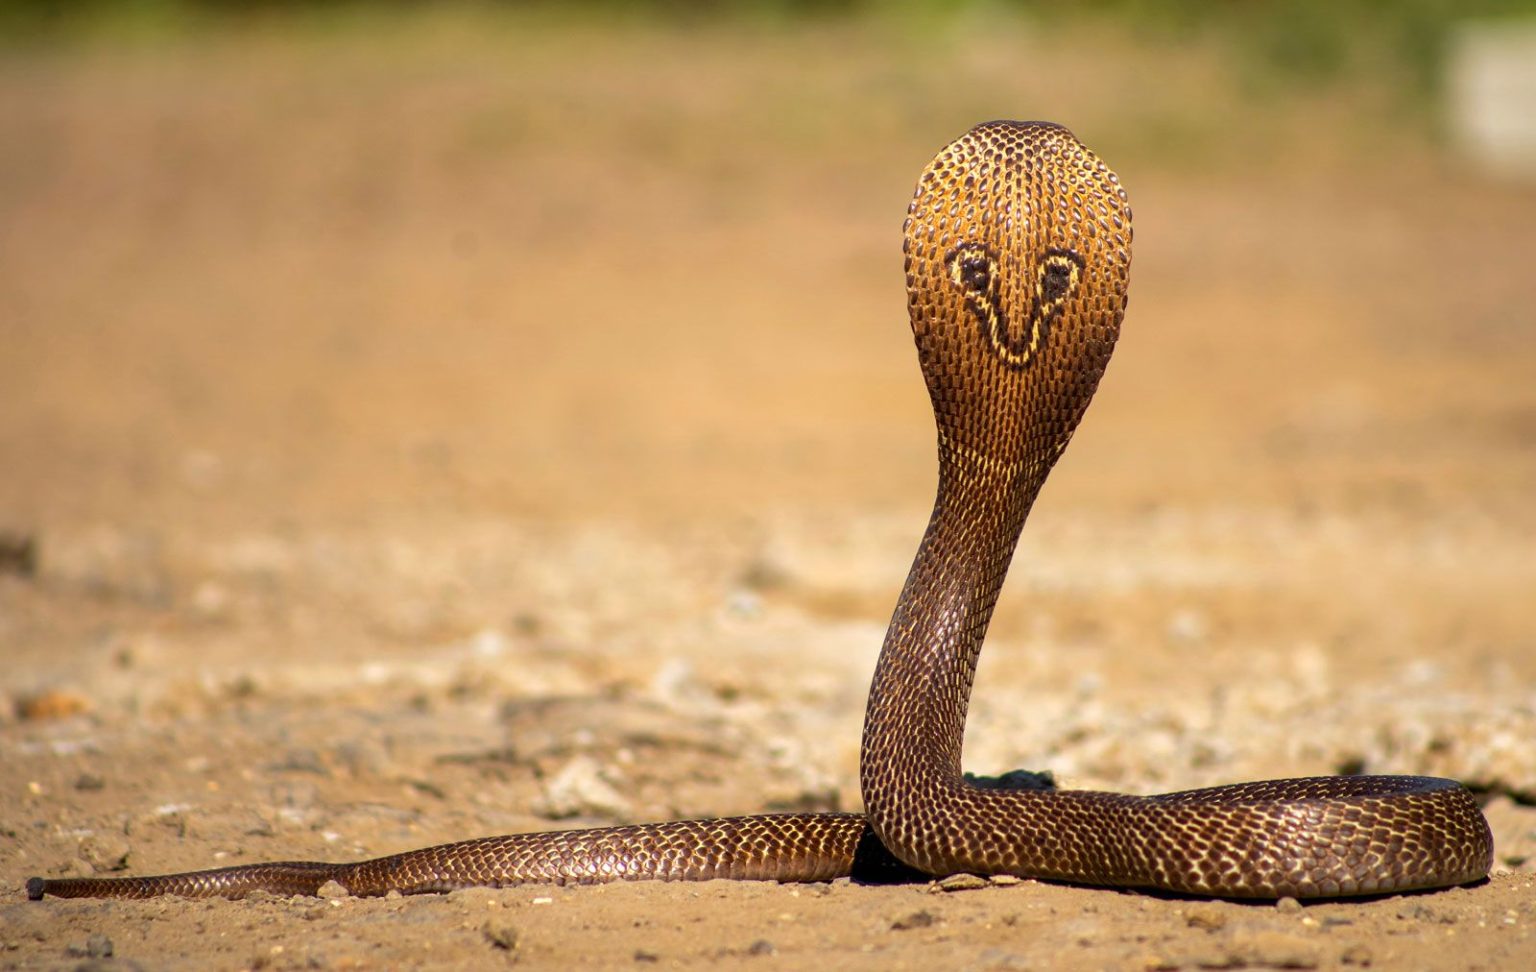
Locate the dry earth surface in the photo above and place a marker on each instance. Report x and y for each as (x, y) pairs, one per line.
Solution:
(431, 436)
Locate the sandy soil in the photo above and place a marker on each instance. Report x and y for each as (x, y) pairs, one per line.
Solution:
(478, 434)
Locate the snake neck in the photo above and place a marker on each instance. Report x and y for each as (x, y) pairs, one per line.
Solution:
(915, 721)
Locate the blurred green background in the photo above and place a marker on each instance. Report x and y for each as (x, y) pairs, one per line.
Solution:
(1274, 43)
(1393, 59)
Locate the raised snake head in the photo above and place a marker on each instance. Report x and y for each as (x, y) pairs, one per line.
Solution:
(1018, 257)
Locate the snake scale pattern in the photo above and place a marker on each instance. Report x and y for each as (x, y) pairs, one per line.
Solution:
(1018, 251)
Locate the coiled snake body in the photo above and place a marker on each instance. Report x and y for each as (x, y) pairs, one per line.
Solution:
(1017, 248)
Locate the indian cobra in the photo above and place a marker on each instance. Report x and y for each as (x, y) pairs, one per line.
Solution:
(1018, 252)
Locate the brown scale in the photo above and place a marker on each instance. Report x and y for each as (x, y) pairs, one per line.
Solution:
(1018, 253)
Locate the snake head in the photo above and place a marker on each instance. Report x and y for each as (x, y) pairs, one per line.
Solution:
(1018, 254)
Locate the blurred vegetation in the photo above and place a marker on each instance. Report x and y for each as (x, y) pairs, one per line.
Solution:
(1272, 46)
(1314, 41)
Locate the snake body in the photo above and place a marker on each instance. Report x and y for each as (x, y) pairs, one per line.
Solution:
(1017, 247)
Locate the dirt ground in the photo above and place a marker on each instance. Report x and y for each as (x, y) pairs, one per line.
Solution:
(493, 430)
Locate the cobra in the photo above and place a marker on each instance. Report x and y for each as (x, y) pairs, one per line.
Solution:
(1018, 252)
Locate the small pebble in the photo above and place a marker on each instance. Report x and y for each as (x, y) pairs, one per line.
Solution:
(501, 934)
(365, 758)
(1276, 950)
(303, 760)
(765, 574)
(962, 882)
(761, 947)
(581, 788)
(1206, 918)
(1188, 626)
(1287, 906)
(332, 890)
(51, 704)
(96, 946)
(18, 554)
(917, 919)
(105, 852)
